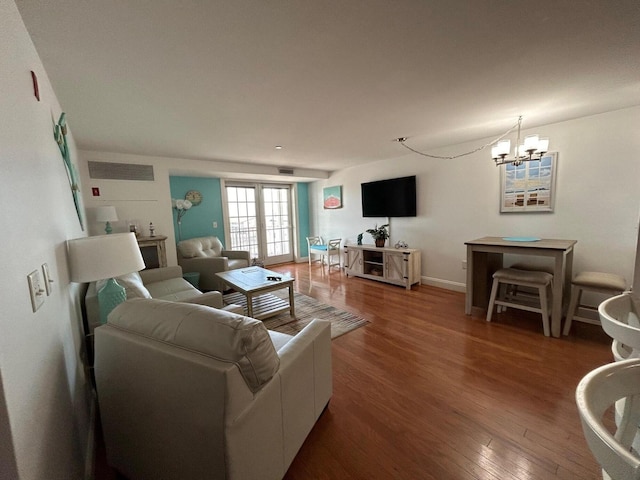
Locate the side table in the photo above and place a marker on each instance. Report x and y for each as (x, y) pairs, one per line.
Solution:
(153, 251)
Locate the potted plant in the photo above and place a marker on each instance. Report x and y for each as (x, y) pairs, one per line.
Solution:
(379, 234)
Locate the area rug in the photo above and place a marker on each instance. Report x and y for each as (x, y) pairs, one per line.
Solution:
(306, 308)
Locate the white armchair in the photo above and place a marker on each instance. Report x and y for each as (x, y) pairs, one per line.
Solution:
(207, 256)
(187, 391)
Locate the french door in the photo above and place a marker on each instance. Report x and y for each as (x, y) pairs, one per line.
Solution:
(258, 219)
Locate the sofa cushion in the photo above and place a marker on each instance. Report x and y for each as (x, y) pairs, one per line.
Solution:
(200, 247)
(132, 284)
(237, 263)
(279, 339)
(216, 333)
(175, 289)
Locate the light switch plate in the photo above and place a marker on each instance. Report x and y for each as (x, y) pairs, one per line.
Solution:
(46, 277)
(35, 289)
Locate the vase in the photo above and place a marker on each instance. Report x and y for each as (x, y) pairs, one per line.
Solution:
(380, 242)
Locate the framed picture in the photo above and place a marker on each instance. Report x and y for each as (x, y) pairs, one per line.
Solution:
(530, 186)
(332, 197)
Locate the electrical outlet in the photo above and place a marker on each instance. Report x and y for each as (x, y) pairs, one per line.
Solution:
(46, 277)
(215, 224)
(35, 290)
(464, 265)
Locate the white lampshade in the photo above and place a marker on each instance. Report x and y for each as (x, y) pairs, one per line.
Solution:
(531, 142)
(543, 145)
(520, 151)
(106, 213)
(103, 256)
(503, 147)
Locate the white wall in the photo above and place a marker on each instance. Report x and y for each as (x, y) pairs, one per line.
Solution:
(143, 201)
(44, 398)
(150, 201)
(597, 203)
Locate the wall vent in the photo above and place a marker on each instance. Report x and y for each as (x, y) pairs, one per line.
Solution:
(120, 171)
(285, 171)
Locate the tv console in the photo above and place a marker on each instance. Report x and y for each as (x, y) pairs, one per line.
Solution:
(399, 266)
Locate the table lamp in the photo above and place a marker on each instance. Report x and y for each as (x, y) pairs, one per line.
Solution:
(106, 214)
(104, 257)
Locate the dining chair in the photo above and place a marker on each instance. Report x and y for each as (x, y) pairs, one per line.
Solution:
(329, 250)
(599, 282)
(509, 277)
(513, 291)
(619, 319)
(315, 246)
(597, 395)
(333, 250)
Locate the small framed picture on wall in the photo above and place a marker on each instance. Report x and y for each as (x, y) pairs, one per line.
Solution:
(332, 197)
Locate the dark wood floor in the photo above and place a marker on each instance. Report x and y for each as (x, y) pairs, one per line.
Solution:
(427, 392)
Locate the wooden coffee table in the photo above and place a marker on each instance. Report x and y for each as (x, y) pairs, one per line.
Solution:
(253, 284)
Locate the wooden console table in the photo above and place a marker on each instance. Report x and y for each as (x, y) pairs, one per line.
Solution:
(399, 266)
(484, 257)
(153, 251)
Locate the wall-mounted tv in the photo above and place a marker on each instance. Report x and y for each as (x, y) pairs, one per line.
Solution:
(395, 197)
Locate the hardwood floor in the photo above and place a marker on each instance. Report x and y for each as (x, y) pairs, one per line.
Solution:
(426, 392)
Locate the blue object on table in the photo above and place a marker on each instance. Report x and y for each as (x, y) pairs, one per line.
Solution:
(521, 239)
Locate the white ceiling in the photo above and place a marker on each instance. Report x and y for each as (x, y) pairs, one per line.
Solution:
(333, 81)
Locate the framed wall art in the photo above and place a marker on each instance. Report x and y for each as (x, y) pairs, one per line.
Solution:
(530, 186)
(332, 197)
(60, 135)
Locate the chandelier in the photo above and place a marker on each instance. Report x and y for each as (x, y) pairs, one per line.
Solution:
(533, 148)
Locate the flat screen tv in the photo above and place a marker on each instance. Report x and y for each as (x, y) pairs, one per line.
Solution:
(395, 197)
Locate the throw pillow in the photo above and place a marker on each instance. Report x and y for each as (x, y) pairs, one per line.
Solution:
(132, 283)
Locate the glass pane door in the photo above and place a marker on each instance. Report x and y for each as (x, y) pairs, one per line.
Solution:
(277, 228)
(243, 221)
(259, 221)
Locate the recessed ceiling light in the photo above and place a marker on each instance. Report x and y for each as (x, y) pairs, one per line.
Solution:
(278, 147)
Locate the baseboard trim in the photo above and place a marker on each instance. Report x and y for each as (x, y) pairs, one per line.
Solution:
(90, 459)
(431, 281)
(446, 284)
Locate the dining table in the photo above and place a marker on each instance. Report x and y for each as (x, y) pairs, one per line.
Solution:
(486, 255)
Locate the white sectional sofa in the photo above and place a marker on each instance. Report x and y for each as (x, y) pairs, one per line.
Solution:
(160, 283)
(188, 391)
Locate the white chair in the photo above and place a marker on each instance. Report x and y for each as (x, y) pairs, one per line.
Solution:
(596, 393)
(607, 283)
(620, 320)
(316, 246)
(542, 281)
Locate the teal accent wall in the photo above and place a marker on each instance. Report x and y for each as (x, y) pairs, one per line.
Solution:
(303, 218)
(198, 221)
